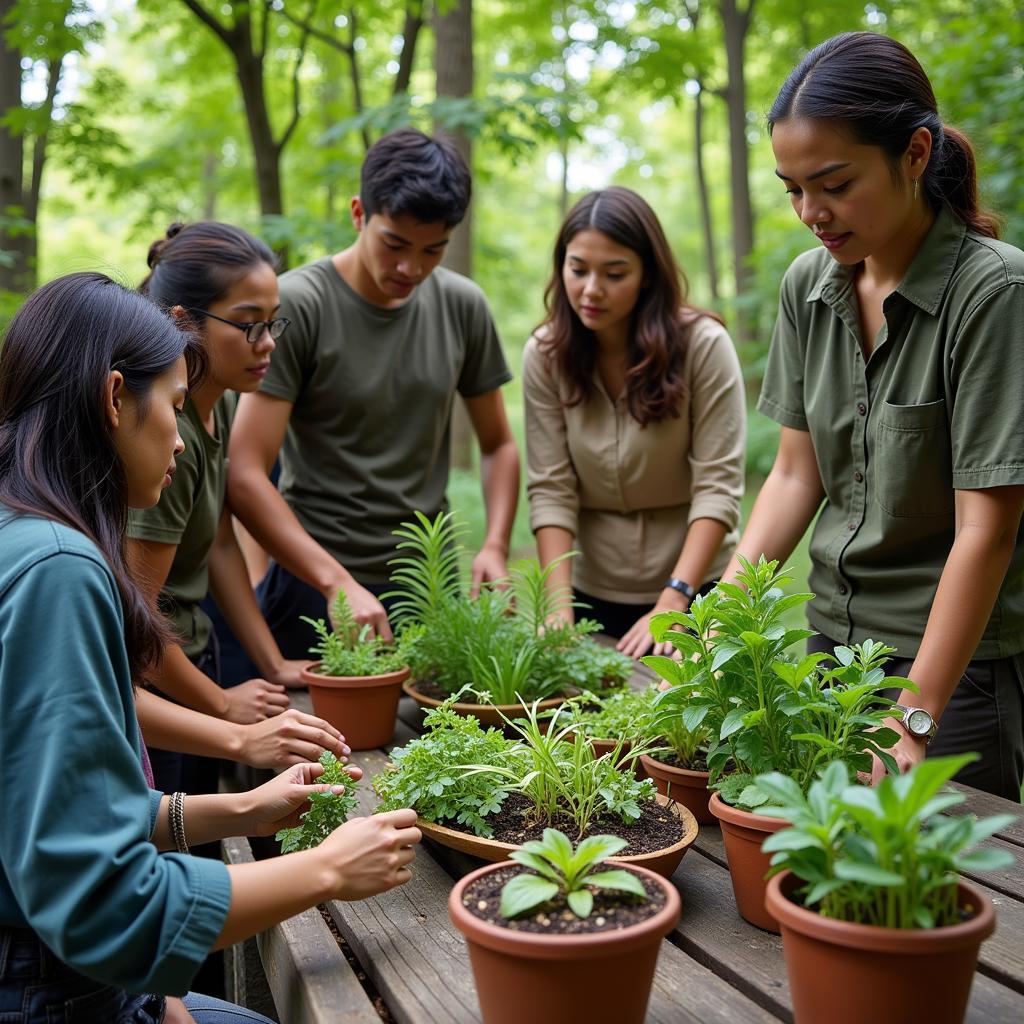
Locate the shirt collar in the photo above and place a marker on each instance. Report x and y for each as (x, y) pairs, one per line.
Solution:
(927, 277)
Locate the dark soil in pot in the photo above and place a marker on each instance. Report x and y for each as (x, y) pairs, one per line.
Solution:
(611, 912)
(656, 828)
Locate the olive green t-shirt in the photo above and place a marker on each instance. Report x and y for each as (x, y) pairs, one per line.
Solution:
(187, 515)
(936, 408)
(372, 391)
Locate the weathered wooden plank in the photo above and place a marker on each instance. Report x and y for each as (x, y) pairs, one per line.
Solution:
(309, 977)
(986, 804)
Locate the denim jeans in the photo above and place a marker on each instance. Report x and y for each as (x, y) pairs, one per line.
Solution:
(37, 988)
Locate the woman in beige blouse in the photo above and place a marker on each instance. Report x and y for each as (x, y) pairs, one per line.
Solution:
(635, 423)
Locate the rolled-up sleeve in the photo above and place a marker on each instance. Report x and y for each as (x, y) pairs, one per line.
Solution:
(78, 866)
(782, 389)
(719, 426)
(552, 485)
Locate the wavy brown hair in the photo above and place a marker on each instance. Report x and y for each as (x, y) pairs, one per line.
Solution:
(659, 324)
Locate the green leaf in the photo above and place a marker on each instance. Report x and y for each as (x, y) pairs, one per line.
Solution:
(869, 874)
(595, 849)
(620, 879)
(524, 892)
(581, 902)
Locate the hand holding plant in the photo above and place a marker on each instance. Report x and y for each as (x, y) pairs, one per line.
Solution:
(328, 808)
(278, 804)
(562, 872)
(351, 650)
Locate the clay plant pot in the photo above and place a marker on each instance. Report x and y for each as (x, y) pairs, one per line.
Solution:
(486, 714)
(686, 787)
(743, 833)
(850, 973)
(662, 862)
(552, 979)
(362, 707)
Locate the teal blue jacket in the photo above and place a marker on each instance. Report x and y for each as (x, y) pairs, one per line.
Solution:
(76, 814)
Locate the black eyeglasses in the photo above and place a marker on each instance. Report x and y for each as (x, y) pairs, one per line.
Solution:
(253, 331)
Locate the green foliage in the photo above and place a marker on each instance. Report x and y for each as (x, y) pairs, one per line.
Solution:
(561, 777)
(626, 715)
(423, 773)
(326, 810)
(881, 856)
(565, 874)
(503, 641)
(764, 708)
(349, 650)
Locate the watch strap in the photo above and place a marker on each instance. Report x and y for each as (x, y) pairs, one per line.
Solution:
(684, 588)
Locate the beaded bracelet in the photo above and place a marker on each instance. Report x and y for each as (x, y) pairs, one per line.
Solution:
(176, 817)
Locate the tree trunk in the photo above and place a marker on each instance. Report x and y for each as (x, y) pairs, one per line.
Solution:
(736, 22)
(15, 274)
(410, 33)
(453, 67)
(710, 257)
(265, 150)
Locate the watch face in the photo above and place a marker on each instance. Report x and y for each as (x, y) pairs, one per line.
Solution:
(919, 722)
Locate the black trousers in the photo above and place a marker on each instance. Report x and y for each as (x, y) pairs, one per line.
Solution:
(985, 714)
(617, 617)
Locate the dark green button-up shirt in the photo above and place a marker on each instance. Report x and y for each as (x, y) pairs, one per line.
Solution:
(937, 407)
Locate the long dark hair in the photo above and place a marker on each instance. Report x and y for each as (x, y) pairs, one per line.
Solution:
(57, 456)
(660, 321)
(878, 90)
(194, 265)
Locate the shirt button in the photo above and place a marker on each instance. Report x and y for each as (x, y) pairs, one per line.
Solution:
(841, 588)
(861, 409)
(851, 526)
(858, 476)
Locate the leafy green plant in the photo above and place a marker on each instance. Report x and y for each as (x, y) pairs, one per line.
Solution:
(504, 641)
(764, 708)
(348, 650)
(561, 777)
(884, 855)
(326, 810)
(565, 874)
(625, 715)
(422, 774)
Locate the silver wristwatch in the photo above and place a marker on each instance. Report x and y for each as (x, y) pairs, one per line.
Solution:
(918, 722)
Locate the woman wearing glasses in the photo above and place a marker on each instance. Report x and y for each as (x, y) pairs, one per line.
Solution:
(221, 282)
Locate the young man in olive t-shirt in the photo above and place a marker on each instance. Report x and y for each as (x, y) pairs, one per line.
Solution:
(358, 402)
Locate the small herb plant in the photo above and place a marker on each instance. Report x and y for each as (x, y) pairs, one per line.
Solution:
(348, 650)
(625, 715)
(502, 641)
(764, 708)
(564, 873)
(880, 856)
(422, 774)
(560, 777)
(326, 810)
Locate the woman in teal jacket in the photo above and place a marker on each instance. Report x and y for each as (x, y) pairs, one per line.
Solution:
(92, 380)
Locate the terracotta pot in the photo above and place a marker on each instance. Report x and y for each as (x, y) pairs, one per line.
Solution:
(743, 833)
(850, 973)
(552, 979)
(663, 862)
(487, 714)
(686, 787)
(362, 707)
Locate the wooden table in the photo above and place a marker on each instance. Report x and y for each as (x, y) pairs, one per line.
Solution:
(404, 954)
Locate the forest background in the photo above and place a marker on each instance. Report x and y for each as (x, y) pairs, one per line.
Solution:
(120, 117)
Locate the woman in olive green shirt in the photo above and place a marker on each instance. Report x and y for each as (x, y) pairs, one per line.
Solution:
(635, 423)
(896, 371)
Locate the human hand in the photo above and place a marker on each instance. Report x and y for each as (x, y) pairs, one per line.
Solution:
(489, 566)
(289, 673)
(288, 739)
(278, 803)
(175, 1012)
(908, 751)
(637, 640)
(254, 700)
(371, 855)
(366, 609)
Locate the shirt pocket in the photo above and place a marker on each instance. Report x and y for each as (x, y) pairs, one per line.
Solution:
(913, 463)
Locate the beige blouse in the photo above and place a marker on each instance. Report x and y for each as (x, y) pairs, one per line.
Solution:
(628, 493)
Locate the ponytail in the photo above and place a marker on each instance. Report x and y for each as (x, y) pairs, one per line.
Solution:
(951, 177)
